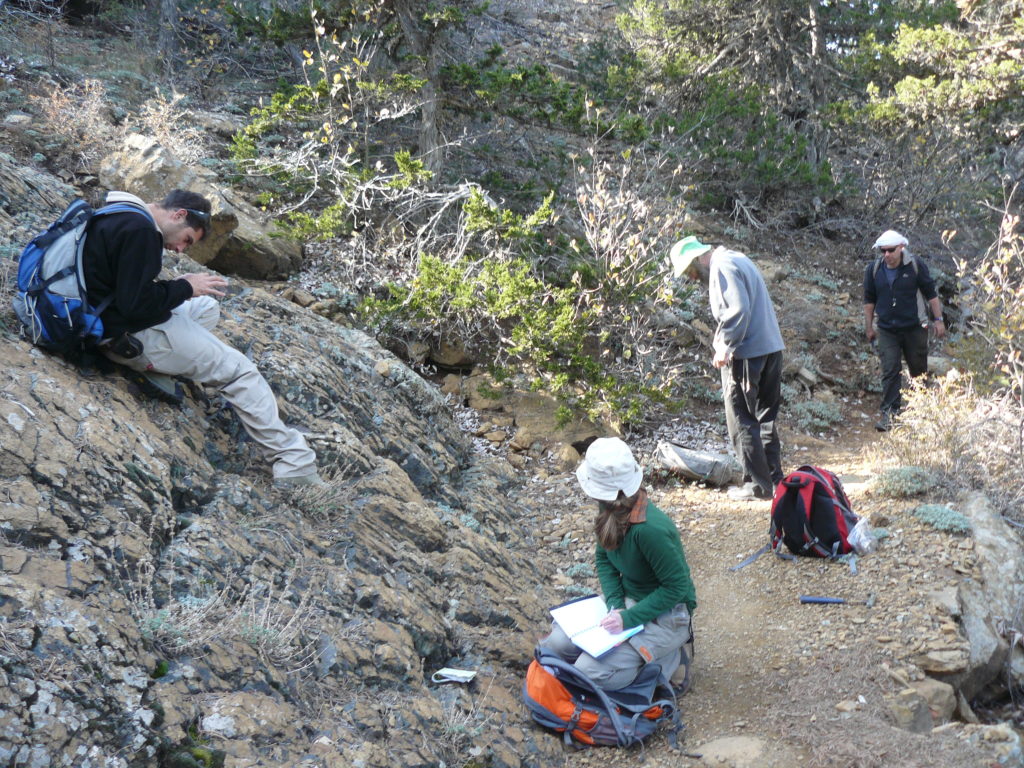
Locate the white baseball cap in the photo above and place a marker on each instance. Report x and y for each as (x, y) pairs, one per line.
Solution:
(609, 467)
(890, 239)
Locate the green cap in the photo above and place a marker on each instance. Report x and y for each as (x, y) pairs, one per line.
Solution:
(685, 253)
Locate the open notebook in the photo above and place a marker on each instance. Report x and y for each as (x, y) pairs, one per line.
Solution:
(580, 620)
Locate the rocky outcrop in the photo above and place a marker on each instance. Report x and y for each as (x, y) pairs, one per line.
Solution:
(160, 597)
(29, 201)
(239, 242)
(989, 606)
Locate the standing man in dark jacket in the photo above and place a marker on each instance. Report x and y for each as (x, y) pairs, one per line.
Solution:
(173, 319)
(748, 351)
(891, 285)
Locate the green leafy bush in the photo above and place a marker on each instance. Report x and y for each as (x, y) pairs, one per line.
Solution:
(576, 322)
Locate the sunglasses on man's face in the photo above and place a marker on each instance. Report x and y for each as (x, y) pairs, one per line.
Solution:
(888, 250)
(203, 216)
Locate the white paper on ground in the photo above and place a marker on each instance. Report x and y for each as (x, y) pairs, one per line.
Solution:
(452, 675)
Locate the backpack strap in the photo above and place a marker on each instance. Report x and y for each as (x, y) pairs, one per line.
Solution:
(126, 207)
(911, 259)
(99, 309)
(806, 497)
(81, 214)
(752, 557)
(831, 484)
(548, 659)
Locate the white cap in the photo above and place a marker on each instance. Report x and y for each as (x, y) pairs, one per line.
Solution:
(890, 239)
(609, 467)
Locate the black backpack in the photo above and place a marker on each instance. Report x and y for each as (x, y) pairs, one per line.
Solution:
(811, 514)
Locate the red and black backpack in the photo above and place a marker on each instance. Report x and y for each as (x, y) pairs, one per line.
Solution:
(811, 514)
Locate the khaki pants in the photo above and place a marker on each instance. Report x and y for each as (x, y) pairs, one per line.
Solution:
(661, 641)
(185, 346)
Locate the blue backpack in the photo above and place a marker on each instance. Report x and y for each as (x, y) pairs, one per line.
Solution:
(51, 299)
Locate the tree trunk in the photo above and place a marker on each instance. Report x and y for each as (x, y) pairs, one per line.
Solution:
(167, 34)
(816, 144)
(426, 44)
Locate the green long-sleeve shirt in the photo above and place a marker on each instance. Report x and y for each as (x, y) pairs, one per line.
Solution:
(649, 567)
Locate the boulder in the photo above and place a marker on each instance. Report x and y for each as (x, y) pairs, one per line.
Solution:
(239, 241)
(990, 600)
(773, 272)
(450, 353)
(540, 417)
(567, 458)
(747, 752)
(910, 711)
(483, 393)
(940, 697)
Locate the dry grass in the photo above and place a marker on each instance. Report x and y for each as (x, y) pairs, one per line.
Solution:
(274, 622)
(164, 119)
(80, 113)
(273, 619)
(327, 503)
(465, 719)
(8, 284)
(969, 439)
(175, 624)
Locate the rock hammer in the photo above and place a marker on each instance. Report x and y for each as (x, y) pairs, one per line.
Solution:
(837, 600)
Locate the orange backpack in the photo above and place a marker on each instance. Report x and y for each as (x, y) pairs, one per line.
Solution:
(562, 698)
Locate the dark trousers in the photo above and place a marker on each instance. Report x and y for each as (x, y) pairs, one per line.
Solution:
(752, 389)
(893, 347)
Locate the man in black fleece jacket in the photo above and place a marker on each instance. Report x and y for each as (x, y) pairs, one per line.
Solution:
(173, 319)
(892, 314)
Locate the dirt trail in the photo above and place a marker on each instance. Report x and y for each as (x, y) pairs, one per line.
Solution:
(745, 622)
(769, 671)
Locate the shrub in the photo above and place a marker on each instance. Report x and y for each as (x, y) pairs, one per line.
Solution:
(164, 119)
(578, 323)
(314, 150)
(964, 437)
(79, 114)
(904, 482)
(942, 518)
(583, 570)
(815, 415)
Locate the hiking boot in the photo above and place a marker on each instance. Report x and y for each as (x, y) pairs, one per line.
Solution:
(747, 492)
(884, 424)
(312, 480)
(159, 386)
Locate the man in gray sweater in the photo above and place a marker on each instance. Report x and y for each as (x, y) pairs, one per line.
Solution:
(748, 351)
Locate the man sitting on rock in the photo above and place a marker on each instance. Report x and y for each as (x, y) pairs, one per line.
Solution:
(173, 319)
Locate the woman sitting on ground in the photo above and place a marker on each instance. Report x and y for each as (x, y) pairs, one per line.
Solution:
(643, 575)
